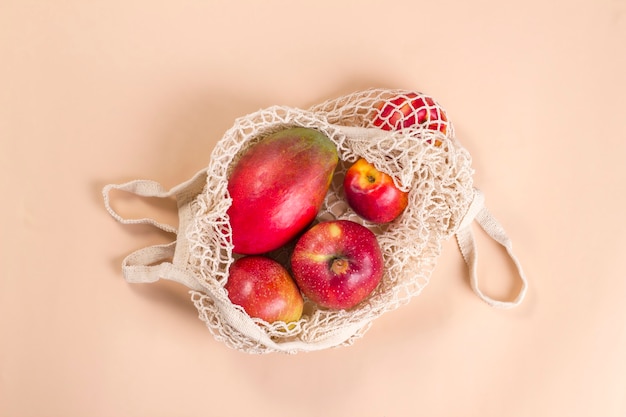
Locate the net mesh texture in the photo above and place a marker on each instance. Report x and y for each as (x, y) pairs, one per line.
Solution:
(402, 133)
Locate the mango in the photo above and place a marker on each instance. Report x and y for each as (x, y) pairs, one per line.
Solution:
(278, 187)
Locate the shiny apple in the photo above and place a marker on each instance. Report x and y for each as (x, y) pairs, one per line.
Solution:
(264, 289)
(337, 263)
(372, 194)
(408, 110)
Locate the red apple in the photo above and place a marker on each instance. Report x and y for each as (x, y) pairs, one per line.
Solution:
(411, 109)
(337, 264)
(372, 194)
(264, 289)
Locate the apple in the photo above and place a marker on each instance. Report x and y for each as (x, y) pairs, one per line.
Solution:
(337, 263)
(411, 109)
(278, 187)
(264, 289)
(372, 194)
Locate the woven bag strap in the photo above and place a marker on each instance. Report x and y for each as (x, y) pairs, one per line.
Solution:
(467, 245)
(149, 264)
(142, 188)
(152, 263)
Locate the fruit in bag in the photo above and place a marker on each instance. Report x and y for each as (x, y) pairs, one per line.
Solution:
(337, 264)
(411, 109)
(277, 188)
(264, 289)
(372, 194)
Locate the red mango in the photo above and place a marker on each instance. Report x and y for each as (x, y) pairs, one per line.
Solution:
(278, 187)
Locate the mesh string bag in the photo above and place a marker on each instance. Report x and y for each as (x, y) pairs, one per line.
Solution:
(402, 133)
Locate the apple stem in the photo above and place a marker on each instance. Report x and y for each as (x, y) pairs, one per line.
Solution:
(339, 265)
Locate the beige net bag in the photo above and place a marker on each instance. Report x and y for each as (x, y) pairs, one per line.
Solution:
(409, 138)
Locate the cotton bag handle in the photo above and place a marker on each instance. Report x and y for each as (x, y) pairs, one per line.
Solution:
(467, 245)
(151, 263)
(142, 188)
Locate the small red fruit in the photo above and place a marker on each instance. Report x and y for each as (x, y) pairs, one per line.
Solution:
(264, 289)
(408, 110)
(337, 264)
(372, 194)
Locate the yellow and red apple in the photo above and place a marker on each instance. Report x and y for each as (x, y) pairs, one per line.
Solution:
(264, 289)
(337, 264)
(372, 194)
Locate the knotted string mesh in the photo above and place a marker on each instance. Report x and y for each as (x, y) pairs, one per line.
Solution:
(404, 134)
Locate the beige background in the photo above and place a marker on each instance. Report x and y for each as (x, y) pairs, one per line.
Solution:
(93, 92)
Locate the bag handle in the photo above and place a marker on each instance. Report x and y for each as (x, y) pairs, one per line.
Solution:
(148, 265)
(142, 188)
(467, 245)
(152, 263)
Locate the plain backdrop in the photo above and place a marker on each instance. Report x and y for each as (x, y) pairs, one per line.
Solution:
(97, 92)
